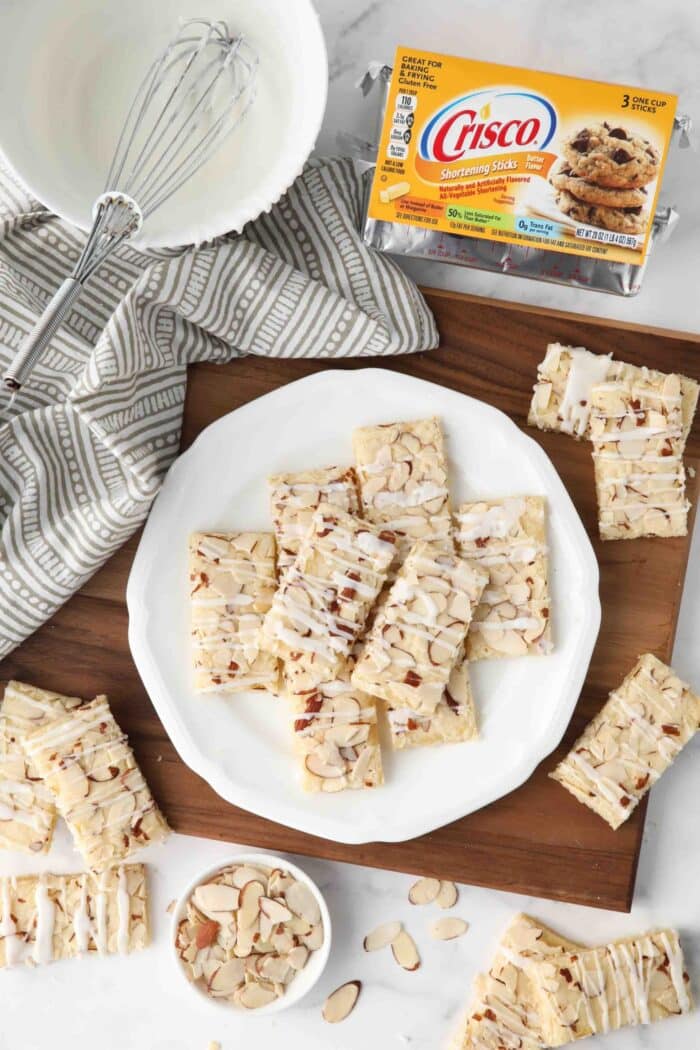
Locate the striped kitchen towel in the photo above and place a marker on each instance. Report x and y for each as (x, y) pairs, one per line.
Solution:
(85, 446)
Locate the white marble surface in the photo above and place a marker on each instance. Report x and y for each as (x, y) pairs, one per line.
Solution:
(140, 1003)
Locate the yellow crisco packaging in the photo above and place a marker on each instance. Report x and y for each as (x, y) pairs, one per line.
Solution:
(500, 154)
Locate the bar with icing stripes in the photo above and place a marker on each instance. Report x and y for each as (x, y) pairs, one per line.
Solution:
(27, 809)
(637, 435)
(336, 736)
(561, 397)
(87, 764)
(417, 638)
(295, 497)
(592, 991)
(642, 728)
(49, 917)
(508, 539)
(325, 596)
(232, 579)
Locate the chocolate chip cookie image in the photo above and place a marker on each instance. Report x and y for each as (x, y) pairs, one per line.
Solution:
(563, 178)
(620, 220)
(611, 156)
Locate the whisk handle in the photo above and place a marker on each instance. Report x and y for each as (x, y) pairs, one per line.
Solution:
(41, 334)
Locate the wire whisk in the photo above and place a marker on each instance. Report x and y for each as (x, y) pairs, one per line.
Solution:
(190, 100)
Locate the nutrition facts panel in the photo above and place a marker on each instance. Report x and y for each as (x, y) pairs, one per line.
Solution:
(402, 121)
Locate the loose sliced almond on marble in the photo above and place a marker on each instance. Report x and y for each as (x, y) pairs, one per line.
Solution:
(405, 952)
(424, 891)
(447, 897)
(382, 936)
(448, 928)
(303, 902)
(171, 907)
(341, 1002)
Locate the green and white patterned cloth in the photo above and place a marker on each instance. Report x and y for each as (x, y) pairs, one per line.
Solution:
(86, 444)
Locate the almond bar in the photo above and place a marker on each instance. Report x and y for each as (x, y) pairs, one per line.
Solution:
(565, 378)
(336, 735)
(503, 1014)
(402, 469)
(507, 539)
(27, 810)
(644, 725)
(48, 917)
(596, 990)
(232, 580)
(452, 721)
(295, 497)
(324, 599)
(418, 636)
(637, 435)
(100, 792)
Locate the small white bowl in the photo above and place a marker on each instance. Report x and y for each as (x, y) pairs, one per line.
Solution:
(305, 979)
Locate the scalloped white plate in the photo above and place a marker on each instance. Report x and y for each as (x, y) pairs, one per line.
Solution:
(69, 70)
(242, 746)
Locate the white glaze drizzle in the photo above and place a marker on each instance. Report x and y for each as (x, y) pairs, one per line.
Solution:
(82, 926)
(8, 927)
(123, 911)
(45, 921)
(586, 370)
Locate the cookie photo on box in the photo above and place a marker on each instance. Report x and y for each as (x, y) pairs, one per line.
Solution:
(603, 177)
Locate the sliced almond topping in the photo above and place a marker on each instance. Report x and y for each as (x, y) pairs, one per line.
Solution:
(447, 897)
(341, 1002)
(303, 902)
(382, 936)
(424, 891)
(405, 951)
(449, 928)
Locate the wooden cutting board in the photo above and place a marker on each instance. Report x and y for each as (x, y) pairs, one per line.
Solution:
(538, 840)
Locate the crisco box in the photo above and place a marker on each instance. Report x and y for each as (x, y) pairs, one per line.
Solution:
(518, 170)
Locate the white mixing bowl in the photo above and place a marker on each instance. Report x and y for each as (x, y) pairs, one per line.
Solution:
(68, 72)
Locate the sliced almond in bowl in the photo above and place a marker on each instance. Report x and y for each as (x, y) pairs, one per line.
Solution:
(449, 928)
(245, 945)
(216, 897)
(424, 891)
(341, 1002)
(405, 951)
(275, 910)
(252, 996)
(382, 936)
(227, 977)
(303, 902)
